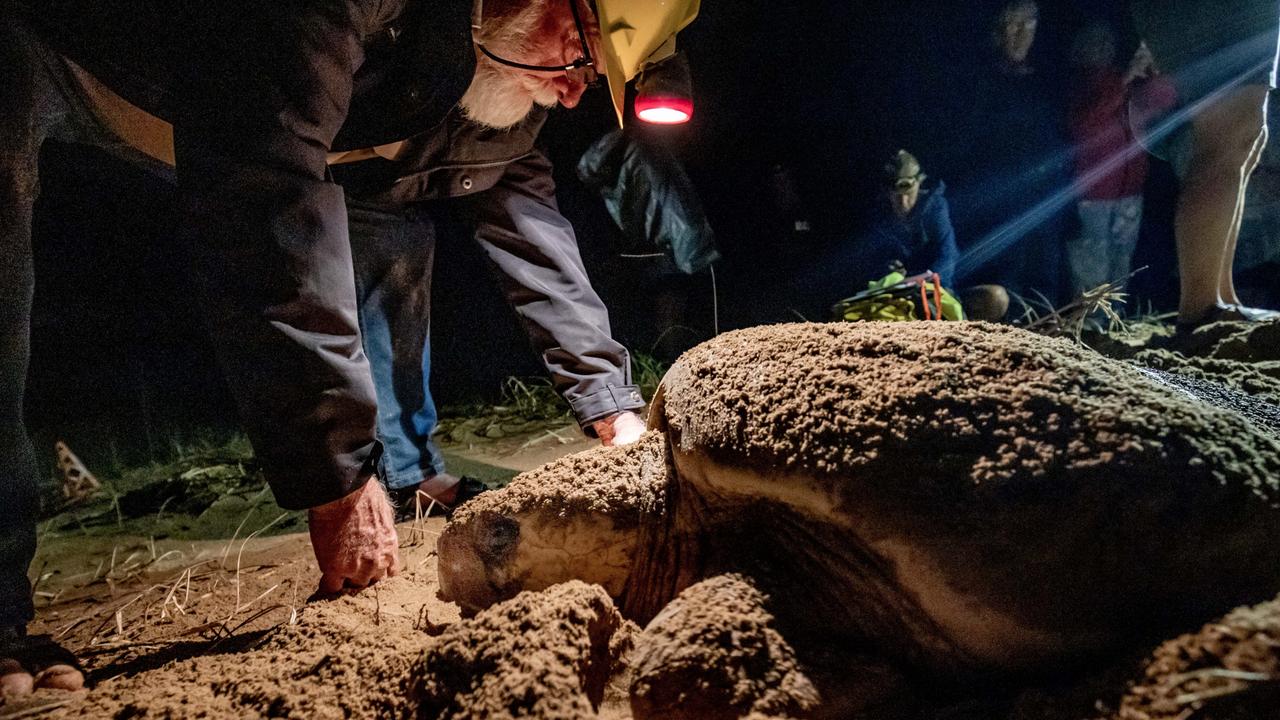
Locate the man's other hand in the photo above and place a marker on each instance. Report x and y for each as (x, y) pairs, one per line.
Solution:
(621, 429)
(354, 539)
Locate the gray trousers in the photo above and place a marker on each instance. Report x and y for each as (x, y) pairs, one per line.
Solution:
(1103, 251)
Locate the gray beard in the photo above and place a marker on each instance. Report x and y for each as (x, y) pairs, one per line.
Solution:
(497, 98)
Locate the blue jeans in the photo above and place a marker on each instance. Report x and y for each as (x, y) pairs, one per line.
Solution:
(1103, 252)
(393, 252)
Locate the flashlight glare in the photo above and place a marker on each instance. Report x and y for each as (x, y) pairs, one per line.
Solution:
(663, 116)
(664, 110)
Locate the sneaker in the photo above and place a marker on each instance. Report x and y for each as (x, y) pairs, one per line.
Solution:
(1252, 314)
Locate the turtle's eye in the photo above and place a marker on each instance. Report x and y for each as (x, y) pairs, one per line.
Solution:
(497, 539)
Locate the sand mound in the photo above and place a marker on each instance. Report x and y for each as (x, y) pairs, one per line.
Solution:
(973, 402)
(1241, 341)
(1256, 409)
(1261, 380)
(1242, 356)
(598, 481)
(1229, 669)
(545, 654)
(335, 661)
(713, 653)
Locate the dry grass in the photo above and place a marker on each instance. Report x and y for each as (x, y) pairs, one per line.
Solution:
(1071, 319)
(418, 531)
(647, 372)
(535, 400)
(532, 399)
(1219, 682)
(545, 435)
(203, 600)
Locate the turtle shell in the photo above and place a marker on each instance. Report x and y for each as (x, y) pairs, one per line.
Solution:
(966, 496)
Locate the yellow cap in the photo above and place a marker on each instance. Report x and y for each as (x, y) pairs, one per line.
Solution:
(635, 33)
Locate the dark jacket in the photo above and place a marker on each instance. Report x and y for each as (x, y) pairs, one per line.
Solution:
(258, 94)
(651, 199)
(925, 240)
(412, 59)
(492, 169)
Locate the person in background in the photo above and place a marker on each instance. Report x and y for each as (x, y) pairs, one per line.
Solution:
(670, 247)
(1009, 129)
(1110, 165)
(910, 231)
(912, 228)
(1221, 56)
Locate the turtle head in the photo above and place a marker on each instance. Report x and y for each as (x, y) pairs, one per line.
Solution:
(476, 557)
(578, 518)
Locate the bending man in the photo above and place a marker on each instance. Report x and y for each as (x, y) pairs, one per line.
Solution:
(258, 95)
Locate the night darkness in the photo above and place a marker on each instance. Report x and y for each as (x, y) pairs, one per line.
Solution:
(120, 361)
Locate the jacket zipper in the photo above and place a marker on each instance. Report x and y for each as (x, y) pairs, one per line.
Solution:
(477, 165)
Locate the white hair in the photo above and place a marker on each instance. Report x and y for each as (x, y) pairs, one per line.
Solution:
(499, 96)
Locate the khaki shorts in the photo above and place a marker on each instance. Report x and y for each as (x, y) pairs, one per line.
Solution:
(1207, 45)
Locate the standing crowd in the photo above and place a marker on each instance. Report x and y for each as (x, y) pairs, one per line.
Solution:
(1047, 200)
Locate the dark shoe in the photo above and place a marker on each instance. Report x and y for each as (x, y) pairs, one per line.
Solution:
(1229, 313)
(411, 503)
(468, 489)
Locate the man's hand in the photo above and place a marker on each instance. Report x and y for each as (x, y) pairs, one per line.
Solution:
(621, 429)
(354, 539)
(27, 663)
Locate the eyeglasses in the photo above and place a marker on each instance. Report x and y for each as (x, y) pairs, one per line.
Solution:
(1026, 23)
(582, 70)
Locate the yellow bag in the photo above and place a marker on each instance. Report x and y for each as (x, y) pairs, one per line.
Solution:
(896, 297)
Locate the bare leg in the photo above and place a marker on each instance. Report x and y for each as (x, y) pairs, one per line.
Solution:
(1226, 283)
(31, 107)
(1225, 139)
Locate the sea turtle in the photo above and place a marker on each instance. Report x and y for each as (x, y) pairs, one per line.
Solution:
(967, 500)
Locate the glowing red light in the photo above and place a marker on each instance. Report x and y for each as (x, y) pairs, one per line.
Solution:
(664, 110)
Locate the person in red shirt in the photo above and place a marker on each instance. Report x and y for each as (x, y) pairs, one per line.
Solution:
(1110, 165)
